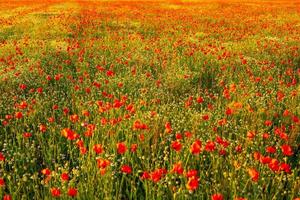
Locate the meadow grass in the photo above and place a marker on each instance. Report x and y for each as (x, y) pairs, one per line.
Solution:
(149, 99)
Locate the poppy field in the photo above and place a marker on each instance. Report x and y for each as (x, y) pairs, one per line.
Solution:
(164, 99)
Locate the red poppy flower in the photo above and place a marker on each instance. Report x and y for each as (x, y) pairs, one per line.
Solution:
(86, 113)
(222, 141)
(192, 173)
(133, 148)
(244, 61)
(256, 155)
(271, 149)
(102, 163)
(121, 148)
(285, 167)
(229, 111)
(83, 150)
(192, 183)
(72, 192)
(2, 157)
(4, 123)
(98, 148)
(205, 117)
(266, 136)
(138, 125)
(74, 118)
(157, 174)
(64, 176)
(265, 159)
(196, 147)
(188, 134)
(280, 96)
(43, 128)
(200, 100)
(88, 90)
(46, 172)
(2, 182)
(177, 168)
(51, 119)
(126, 169)
(222, 152)
(222, 122)
(27, 135)
(55, 192)
(69, 134)
(145, 175)
(285, 113)
(210, 146)
(168, 127)
(274, 165)
(284, 136)
(80, 143)
(287, 150)
(23, 86)
(251, 135)
(18, 115)
(254, 174)
(268, 122)
(39, 90)
(239, 148)
(23, 105)
(48, 77)
(176, 145)
(8, 117)
(109, 73)
(217, 197)
(66, 111)
(7, 197)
